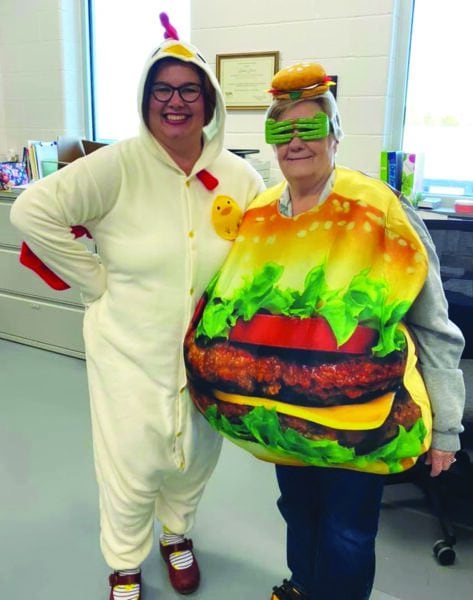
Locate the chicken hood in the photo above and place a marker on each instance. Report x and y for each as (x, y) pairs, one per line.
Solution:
(185, 52)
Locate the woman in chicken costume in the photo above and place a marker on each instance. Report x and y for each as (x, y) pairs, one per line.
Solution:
(151, 204)
(324, 343)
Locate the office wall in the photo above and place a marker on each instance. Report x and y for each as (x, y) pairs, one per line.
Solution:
(351, 38)
(2, 110)
(41, 87)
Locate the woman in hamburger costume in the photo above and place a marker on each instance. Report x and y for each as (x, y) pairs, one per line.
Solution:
(324, 345)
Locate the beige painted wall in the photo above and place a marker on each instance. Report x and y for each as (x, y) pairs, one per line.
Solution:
(41, 79)
(41, 85)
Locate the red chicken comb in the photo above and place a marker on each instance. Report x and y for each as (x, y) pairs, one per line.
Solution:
(170, 33)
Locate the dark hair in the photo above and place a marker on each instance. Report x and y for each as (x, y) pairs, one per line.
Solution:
(209, 94)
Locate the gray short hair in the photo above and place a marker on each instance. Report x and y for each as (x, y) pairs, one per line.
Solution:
(325, 101)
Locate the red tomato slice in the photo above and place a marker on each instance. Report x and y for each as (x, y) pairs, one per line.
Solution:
(300, 334)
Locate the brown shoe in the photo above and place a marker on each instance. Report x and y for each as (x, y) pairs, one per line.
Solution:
(184, 580)
(116, 579)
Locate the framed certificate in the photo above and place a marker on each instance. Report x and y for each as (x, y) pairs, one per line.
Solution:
(246, 78)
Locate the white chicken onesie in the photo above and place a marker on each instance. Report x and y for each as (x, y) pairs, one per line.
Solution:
(160, 240)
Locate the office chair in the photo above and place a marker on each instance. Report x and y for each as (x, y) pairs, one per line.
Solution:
(453, 239)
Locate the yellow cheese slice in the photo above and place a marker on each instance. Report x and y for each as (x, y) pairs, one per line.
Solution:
(356, 417)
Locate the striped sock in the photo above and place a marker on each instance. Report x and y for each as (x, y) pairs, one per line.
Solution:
(127, 592)
(179, 560)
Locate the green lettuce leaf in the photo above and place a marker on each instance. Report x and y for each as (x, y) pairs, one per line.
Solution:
(262, 425)
(362, 302)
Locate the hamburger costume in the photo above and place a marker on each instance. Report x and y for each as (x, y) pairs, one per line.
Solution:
(301, 356)
(299, 351)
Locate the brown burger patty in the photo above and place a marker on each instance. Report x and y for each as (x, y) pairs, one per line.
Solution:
(346, 379)
(404, 413)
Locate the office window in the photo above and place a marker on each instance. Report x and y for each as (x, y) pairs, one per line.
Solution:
(121, 37)
(438, 109)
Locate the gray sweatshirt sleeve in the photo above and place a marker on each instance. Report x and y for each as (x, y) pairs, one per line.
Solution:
(440, 346)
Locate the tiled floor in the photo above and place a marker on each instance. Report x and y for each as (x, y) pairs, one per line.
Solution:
(49, 520)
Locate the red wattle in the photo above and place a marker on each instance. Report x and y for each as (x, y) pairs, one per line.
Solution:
(207, 179)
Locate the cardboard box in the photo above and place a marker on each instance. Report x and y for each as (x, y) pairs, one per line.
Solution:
(70, 149)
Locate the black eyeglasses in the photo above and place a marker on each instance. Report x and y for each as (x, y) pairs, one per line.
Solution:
(188, 92)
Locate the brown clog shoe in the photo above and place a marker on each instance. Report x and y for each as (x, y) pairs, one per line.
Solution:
(115, 579)
(184, 578)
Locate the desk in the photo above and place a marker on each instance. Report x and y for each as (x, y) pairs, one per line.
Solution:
(243, 152)
(452, 214)
(449, 224)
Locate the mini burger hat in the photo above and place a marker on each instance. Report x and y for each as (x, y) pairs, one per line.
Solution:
(302, 80)
(307, 80)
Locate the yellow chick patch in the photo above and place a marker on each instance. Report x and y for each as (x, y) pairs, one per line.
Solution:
(226, 217)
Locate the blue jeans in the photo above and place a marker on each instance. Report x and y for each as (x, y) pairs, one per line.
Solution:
(332, 521)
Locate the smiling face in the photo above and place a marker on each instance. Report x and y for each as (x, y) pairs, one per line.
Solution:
(176, 124)
(306, 160)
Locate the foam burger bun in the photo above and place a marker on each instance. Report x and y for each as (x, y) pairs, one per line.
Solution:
(300, 76)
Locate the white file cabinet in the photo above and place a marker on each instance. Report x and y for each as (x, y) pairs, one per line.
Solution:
(30, 311)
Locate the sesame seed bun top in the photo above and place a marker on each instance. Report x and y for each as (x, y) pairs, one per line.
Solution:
(345, 233)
